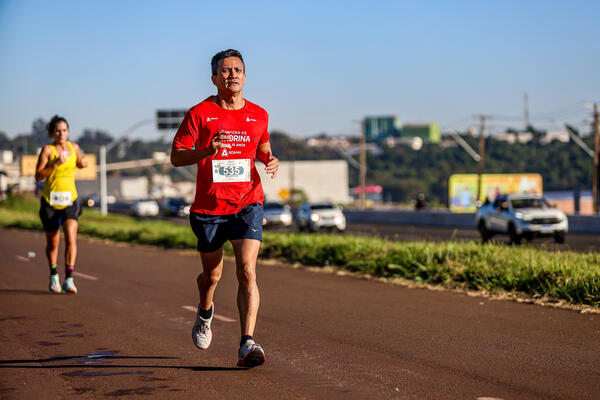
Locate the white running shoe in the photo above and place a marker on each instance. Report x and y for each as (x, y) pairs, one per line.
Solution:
(69, 286)
(251, 355)
(54, 285)
(201, 332)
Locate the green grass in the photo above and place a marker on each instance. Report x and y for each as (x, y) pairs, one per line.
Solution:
(496, 268)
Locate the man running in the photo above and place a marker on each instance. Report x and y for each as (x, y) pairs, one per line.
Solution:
(223, 135)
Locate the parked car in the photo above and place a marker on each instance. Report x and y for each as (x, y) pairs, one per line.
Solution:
(317, 215)
(521, 216)
(145, 208)
(277, 214)
(175, 206)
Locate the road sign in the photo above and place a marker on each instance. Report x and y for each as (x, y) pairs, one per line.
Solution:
(284, 193)
(169, 119)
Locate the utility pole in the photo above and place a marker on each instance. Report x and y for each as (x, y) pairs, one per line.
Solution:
(526, 110)
(482, 119)
(596, 171)
(363, 165)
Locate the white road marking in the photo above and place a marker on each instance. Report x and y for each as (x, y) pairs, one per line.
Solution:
(84, 276)
(23, 259)
(217, 316)
(489, 398)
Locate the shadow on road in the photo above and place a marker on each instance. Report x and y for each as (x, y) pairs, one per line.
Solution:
(26, 291)
(98, 361)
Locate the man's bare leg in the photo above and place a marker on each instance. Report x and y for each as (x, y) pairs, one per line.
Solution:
(212, 269)
(246, 251)
(248, 298)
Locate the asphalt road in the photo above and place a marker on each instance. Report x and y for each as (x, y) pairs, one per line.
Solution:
(127, 333)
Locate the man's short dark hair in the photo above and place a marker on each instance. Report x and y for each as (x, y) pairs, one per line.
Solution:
(217, 58)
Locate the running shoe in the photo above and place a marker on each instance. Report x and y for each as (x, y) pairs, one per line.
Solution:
(201, 332)
(251, 355)
(69, 286)
(54, 285)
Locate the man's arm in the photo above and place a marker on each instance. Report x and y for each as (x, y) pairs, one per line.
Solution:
(263, 154)
(182, 157)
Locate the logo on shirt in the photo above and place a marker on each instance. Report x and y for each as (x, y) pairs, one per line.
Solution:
(224, 153)
(208, 119)
(248, 119)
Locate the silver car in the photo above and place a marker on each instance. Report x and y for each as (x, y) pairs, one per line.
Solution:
(315, 216)
(145, 208)
(521, 216)
(277, 214)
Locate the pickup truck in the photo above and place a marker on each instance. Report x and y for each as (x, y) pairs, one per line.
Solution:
(521, 216)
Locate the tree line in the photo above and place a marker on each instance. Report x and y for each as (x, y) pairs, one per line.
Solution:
(402, 172)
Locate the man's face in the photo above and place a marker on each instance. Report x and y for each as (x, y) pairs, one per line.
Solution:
(230, 76)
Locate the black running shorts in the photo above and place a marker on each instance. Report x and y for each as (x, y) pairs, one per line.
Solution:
(213, 231)
(52, 218)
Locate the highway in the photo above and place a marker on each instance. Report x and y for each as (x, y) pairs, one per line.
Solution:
(579, 242)
(127, 335)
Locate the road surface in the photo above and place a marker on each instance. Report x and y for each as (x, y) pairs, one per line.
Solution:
(128, 333)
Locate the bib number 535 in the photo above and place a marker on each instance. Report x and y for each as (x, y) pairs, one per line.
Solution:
(231, 170)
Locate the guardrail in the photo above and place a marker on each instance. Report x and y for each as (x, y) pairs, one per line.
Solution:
(577, 223)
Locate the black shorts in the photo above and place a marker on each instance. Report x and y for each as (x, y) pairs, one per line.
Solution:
(213, 231)
(52, 218)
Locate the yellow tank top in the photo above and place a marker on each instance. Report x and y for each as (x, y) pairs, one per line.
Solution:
(59, 189)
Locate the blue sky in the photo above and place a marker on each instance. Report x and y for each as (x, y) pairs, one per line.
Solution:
(316, 66)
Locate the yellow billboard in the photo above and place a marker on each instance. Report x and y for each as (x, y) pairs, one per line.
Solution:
(462, 188)
(29, 162)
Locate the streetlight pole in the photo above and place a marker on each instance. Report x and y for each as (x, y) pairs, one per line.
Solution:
(363, 166)
(103, 186)
(596, 171)
(105, 149)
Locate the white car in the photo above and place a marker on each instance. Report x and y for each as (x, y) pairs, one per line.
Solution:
(521, 216)
(325, 214)
(145, 208)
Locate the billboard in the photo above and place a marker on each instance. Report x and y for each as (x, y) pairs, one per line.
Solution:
(29, 162)
(462, 188)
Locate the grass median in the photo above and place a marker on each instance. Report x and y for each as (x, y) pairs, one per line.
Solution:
(496, 268)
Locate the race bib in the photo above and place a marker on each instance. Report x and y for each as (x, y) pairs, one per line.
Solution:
(231, 170)
(61, 198)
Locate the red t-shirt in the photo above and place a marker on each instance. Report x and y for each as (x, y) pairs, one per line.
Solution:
(227, 181)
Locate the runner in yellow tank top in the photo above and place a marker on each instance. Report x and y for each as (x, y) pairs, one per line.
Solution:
(59, 190)
(59, 203)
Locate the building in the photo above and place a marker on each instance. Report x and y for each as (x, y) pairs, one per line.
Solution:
(319, 180)
(378, 128)
(429, 132)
